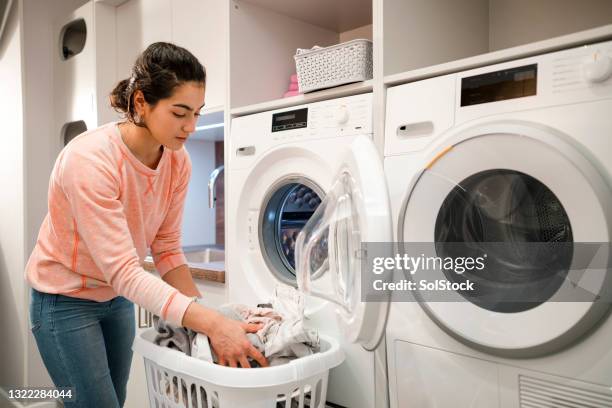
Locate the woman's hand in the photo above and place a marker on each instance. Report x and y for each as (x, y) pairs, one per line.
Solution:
(227, 337)
(228, 340)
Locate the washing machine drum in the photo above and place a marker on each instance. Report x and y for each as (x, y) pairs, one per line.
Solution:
(532, 208)
(287, 209)
(521, 226)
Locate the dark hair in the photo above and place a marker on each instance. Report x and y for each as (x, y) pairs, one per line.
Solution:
(157, 71)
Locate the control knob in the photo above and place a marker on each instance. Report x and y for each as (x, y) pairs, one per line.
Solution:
(342, 115)
(597, 68)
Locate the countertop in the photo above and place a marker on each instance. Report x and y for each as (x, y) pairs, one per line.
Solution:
(208, 271)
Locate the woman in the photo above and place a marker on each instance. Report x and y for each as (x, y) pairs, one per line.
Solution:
(114, 192)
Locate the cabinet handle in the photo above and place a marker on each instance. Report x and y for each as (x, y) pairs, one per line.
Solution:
(417, 129)
(245, 151)
(146, 322)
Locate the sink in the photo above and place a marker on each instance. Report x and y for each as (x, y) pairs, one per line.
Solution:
(206, 255)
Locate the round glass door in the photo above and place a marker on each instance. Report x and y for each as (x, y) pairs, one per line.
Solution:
(356, 210)
(288, 207)
(515, 211)
(333, 231)
(529, 199)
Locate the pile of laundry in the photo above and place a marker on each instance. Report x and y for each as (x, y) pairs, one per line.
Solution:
(281, 339)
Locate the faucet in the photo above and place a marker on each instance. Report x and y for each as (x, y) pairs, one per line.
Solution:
(212, 181)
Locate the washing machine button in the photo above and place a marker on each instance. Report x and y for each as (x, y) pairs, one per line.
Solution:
(597, 68)
(341, 115)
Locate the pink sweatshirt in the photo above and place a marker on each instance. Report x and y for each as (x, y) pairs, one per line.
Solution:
(105, 209)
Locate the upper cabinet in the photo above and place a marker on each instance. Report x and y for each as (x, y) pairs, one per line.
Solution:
(265, 34)
(201, 27)
(198, 25)
(431, 37)
(140, 23)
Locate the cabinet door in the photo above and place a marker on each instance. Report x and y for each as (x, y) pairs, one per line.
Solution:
(201, 27)
(137, 395)
(140, 23)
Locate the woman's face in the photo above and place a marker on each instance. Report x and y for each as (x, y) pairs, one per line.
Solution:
(173, 119)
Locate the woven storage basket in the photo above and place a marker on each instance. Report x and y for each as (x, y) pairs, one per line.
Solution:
(332, 66)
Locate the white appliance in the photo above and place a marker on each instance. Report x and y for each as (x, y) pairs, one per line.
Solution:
(281, 164)
(520, 151)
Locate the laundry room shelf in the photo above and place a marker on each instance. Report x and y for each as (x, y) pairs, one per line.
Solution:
(331, 93)
(508, 54)
(265, 36)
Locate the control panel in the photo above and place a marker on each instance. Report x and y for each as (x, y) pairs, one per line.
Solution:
(574, 75)
(338, 117)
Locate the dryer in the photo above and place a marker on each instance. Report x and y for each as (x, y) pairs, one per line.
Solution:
(281, 164)
(514, 152)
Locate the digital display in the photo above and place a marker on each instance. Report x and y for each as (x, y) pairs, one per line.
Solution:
(290, 120)
(499, 85)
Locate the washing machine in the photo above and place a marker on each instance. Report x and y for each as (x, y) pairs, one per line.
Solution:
(281, 165)
(514, 153)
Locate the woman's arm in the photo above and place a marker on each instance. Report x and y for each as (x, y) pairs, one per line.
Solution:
(227, 337)
(180, 277)
(166, 248)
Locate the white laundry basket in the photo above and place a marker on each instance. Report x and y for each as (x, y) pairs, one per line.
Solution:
(175, 380)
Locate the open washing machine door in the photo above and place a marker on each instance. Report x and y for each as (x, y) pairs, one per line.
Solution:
(329, 249)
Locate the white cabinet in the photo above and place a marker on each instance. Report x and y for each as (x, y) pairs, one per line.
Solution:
(201, 27)
(137, 384)
(198, 25)
(140, 23)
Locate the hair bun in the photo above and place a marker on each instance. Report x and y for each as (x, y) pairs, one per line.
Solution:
(158, 70)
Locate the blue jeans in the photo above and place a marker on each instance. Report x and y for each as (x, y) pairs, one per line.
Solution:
(85, 345)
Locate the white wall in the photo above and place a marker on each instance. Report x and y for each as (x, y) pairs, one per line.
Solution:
(519, 22)
(359, 32)
(420, 33)
(39, 141)
(12, 287)
(262, 46)
(199, 220)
